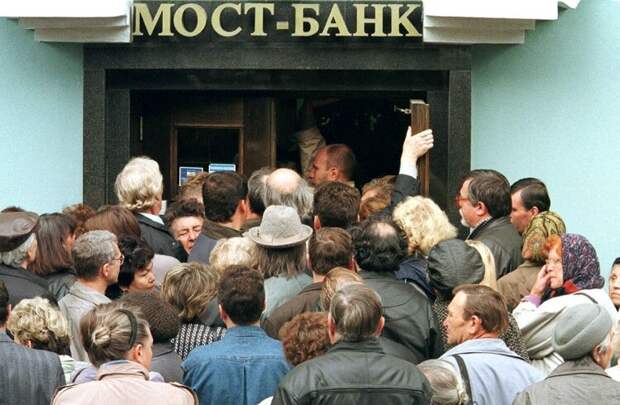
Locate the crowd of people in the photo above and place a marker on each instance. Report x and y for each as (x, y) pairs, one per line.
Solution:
(291, 289)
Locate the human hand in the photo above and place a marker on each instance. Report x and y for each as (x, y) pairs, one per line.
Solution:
(416, 145)
(542, 282)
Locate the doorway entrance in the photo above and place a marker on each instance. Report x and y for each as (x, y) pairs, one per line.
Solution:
(138, 96)
(196, 130)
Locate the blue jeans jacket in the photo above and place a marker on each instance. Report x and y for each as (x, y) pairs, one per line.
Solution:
(244, 367)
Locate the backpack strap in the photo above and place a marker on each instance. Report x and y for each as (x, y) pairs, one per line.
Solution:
(464, 375)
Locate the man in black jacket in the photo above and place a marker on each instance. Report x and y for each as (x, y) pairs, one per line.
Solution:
(484, 204)
(355, 370)
(224, 195)
(379, 248)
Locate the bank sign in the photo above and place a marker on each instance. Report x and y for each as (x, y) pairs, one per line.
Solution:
(277, 20)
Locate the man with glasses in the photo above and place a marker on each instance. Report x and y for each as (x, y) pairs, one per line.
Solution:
(484, 204)
(97, 260)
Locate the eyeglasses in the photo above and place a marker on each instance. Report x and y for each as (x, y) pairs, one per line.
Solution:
(120, 259)
(459, 199)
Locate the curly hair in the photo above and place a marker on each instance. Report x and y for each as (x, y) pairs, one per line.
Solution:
(184, 208)
(80, 213)
(189, 287)
(137, 254)
(36, 321)
(233, 251)
(304, 337)
(424, 223)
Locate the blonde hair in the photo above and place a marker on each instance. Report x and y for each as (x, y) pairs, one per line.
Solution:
(334, 280)
(189, 287)
(424, 223)
(139, 185)
(233, 251)
(36, 321)
(490, 271)
(107, 332)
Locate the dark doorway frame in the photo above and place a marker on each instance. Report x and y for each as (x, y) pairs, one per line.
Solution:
(112, 72)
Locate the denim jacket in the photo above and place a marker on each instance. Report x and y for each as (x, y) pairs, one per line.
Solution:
(244, 367)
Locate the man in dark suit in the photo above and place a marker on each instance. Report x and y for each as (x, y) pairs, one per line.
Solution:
(18, 248)
(27, 376)
(485, 204)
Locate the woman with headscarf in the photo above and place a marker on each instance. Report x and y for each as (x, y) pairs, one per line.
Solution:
(571, 276)
(518, 283)
(452, 263)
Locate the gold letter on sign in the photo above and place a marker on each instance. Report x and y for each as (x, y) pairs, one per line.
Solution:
(141, 13)
(301, 20)
(377, 21)
(335, 20)
(217, 23)
(201, 20)
(399, 20)
(259, 17)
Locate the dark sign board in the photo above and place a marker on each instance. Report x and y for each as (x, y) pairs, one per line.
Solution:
(279, 21)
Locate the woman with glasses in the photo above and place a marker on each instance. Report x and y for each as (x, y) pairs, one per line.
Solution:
(571, 276)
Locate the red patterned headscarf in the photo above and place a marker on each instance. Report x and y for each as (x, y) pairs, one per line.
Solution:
(580, 267)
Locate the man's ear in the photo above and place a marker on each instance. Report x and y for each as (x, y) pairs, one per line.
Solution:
(534, 211)
(331, 329)
(317, 223)
(105, 270)
(223, 314)
(481, 209)
(333, 173)
(352, 264)
(242, 207)
(475, 324)
(380, 326)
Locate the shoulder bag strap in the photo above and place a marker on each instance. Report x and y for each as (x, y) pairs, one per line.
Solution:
(588, 297)
(464, 375)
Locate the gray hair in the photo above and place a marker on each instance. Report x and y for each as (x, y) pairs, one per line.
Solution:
(91, 251)
(257, 187)
(15, 257)
(299, 197)
(603, 347)
(356, 310)
(287, 262)
(445, 383)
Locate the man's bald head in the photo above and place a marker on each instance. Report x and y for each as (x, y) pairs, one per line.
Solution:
(286, 187)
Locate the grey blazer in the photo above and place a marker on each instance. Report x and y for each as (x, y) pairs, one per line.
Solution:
(27, 376)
